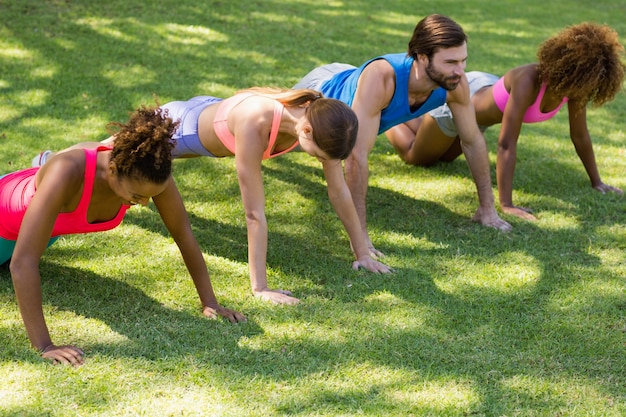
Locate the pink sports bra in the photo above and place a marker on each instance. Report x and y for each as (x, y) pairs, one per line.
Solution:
(18, 188)
(220, 125)
(76, 221)
(533, 113)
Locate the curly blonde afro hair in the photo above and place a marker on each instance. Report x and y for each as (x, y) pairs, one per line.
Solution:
(583, 62)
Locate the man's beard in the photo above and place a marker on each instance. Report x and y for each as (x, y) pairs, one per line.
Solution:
(447, 83)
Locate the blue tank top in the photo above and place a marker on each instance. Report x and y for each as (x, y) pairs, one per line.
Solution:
(342, 86)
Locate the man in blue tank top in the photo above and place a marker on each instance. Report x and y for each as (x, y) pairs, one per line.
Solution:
(392, 89)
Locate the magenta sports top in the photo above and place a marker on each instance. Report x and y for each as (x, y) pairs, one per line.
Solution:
(17, 190)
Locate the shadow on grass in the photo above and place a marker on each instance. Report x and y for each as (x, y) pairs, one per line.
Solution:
(464, 345)
(149, 329)
(103, 59)
(466, 336)
(457, 236)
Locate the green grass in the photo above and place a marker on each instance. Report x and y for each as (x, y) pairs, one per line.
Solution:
(473, 321)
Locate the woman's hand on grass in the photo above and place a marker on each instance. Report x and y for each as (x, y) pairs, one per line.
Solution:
(605, 188)
(65, 355)
(371, 265)
(521, 212)
(219, 311)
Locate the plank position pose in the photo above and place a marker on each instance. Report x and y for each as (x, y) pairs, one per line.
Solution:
(391, 89)
(90, 190)
(579, 65)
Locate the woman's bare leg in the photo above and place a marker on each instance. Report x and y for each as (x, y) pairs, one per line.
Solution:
(402, 136)
(453, 152)
(421, 142)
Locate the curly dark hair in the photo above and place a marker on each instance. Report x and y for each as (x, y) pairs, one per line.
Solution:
(583, 63)
(142, 149)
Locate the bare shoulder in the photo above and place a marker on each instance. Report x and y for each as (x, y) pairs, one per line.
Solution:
(67, 164)
(376, 85)
(523, 85)
(60, 180)
(376, 72)
(380, 66)
(254, 109)
(523, 76)
(256, 104)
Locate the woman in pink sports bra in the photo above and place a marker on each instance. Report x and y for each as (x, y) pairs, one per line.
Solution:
(87, 190)
(261, 123)
(579, 65)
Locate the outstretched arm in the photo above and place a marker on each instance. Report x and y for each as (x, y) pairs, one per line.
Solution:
(505, 170)
(475, 150)
(584, 148)
(374, 92)
(524, 89)
(172, 211)
(251, 135)
(62, 180)
(341, 199)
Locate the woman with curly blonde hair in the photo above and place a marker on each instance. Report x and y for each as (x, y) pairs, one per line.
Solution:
(580, 65)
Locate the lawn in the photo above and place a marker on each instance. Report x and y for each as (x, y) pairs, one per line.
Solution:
(473, 322)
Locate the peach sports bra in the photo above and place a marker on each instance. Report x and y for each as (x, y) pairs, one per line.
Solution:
(220, 125)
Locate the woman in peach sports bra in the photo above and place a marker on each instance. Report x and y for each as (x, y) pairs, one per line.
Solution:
(262, 123)
(580, 65)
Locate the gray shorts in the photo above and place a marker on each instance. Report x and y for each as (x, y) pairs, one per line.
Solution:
(443, 115)
(316, 78)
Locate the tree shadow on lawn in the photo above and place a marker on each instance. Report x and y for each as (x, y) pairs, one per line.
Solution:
(456, 236)
(148, 329)
(481, 335)
(99, 59)
(484, 337)
(461, 348)
(389, 211)
(562, 258)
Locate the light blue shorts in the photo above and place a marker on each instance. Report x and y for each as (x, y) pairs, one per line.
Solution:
(186, 135)
(316, 78)
(443, 115)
